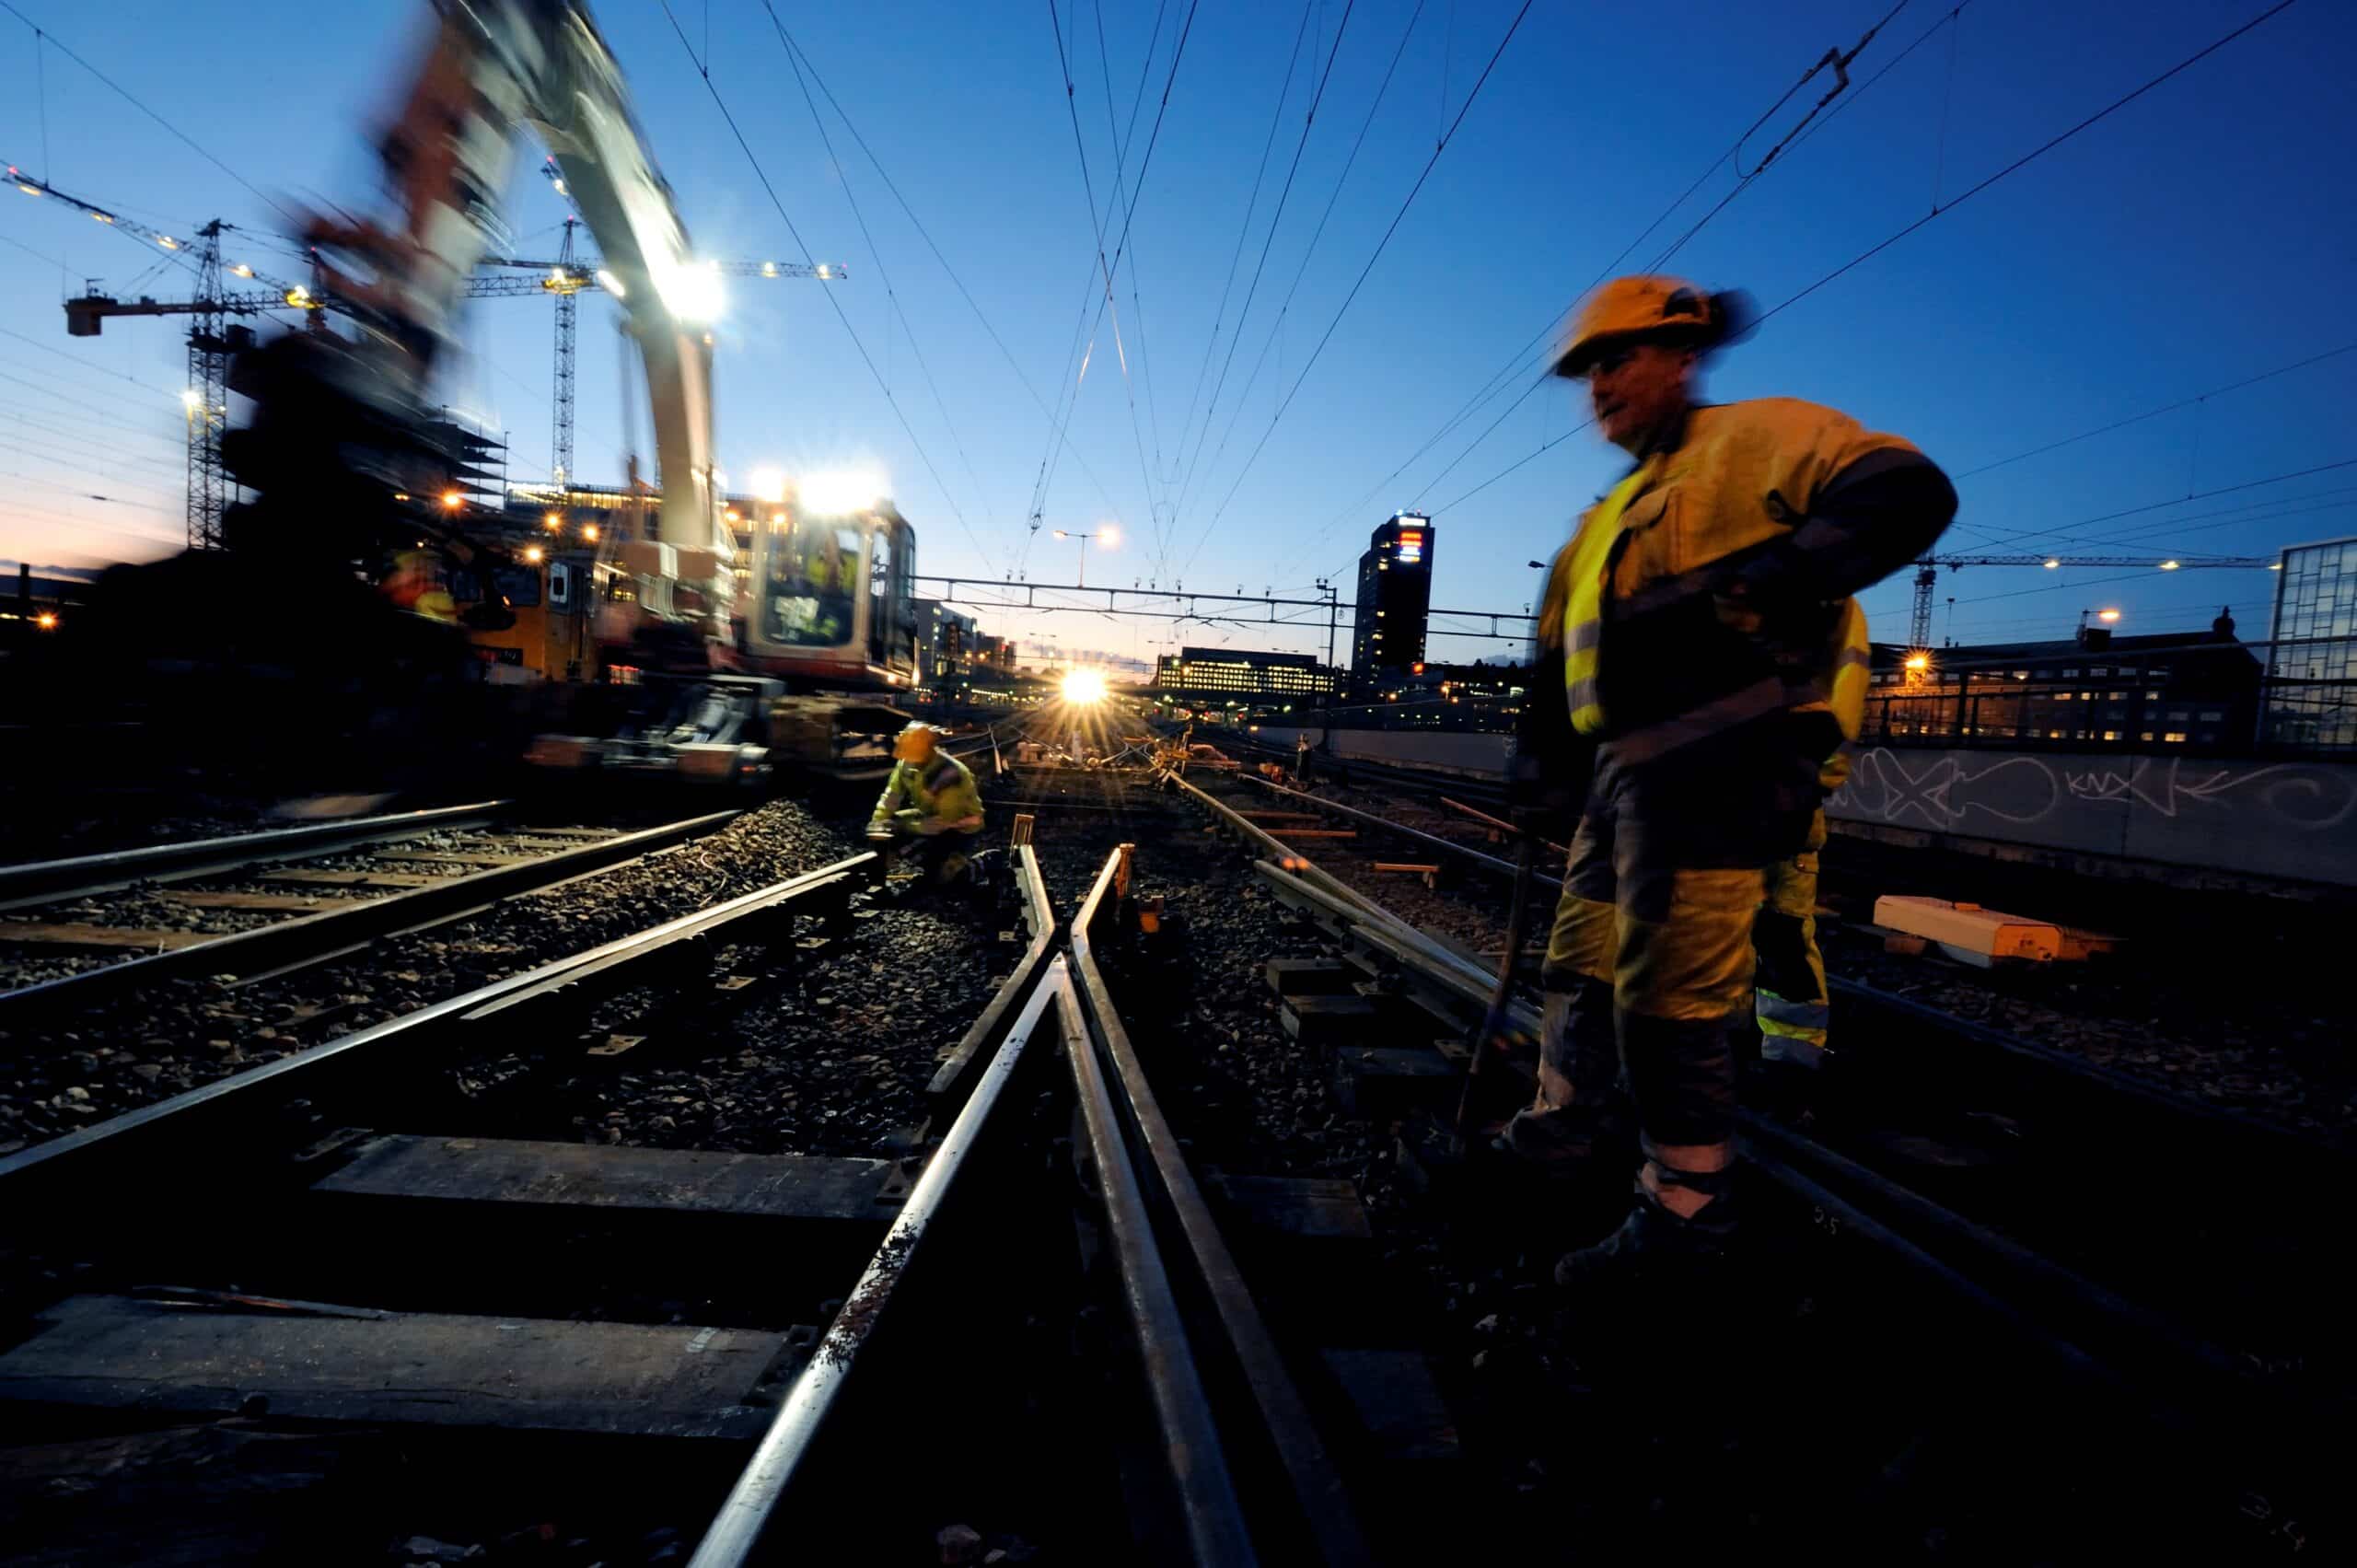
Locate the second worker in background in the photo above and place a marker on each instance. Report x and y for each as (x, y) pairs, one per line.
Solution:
(1702, 618)
(931, 811)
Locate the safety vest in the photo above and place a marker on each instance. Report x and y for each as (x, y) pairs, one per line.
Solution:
(1843, 686)
(1583, 584)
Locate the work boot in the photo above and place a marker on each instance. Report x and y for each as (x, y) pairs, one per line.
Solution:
(1652, 1249)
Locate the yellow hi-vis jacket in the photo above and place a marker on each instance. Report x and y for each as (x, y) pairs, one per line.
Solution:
(1710, 587)
(942, 789)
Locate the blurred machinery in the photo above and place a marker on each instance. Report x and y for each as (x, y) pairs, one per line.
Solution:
(334, 570)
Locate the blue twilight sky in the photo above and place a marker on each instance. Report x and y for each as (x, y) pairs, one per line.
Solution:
(2201, 235)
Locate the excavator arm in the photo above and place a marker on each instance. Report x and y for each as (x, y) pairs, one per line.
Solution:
(493, 68)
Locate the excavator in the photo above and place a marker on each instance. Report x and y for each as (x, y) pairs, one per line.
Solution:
(346, 453)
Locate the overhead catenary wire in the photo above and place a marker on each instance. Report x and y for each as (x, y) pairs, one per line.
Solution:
(794, 50)
(77, 359)
(1251, 205)
(133, 98)
(1504, 376)
(2032, 155)
(1285, 306)
(2014, 167)
(1268, 241)
(891, 295)
(762, 175)
(1137, 191)
(1381, 245)
(1088, 187)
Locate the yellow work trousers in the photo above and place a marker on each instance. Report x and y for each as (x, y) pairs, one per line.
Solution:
(1649, 964)
(1791, 1004)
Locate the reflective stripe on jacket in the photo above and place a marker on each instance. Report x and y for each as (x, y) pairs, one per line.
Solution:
(1722, 569)
(1580, 579)
(943, 788)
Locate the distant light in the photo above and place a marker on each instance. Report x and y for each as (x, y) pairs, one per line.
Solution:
(401, 494)
(167, 242)
(590, 530)
(1108, 536)
(769, 268)
(1919, 662)
(1061, 534)
(533, 553)
(733, 515)
(707, 340)
(611, 284)
(2277, 567)
(453, 499)
(2169, 566)
(2106, 615)
(693, 293)
(192, 400)
(299, 297)
(823, 273)
(47, 619)
(769, 484)
(839, 495)
(2051, 564)
(103, 217)
(242, 271)
(28, 189)
(556, 276)
(553, 521)
(560, 187)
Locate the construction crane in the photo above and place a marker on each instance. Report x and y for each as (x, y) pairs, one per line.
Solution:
(210, 337)
(1927, 573)
(566, 278)
(211, 340)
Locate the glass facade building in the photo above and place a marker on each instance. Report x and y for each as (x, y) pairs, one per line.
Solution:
(2312, 670)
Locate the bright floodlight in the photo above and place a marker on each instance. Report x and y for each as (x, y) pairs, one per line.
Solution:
(693, 293)
(2106, 615)
(839, 494)
(1084, 686)
(192, 400)
(1108, 536)
(769, 484)
(1919, 661)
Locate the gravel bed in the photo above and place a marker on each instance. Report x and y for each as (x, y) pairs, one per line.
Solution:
(2145, 1018)
(186, 1033)
(836, 1066)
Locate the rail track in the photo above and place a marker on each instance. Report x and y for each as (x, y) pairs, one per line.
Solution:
(299, 897)
(1161, 1252)
(359, 1248)
(1990, 1168)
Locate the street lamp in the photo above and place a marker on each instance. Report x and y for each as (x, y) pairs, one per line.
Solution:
(1108, 532)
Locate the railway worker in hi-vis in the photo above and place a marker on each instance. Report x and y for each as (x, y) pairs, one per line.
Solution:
(1702, 618)
(931, 811)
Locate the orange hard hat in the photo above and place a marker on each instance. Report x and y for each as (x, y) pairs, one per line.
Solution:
(915, 743)
(1653, 309)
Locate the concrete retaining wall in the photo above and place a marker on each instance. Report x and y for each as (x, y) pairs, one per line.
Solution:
(2295, 820)
(2283, 821)
(1481, 755)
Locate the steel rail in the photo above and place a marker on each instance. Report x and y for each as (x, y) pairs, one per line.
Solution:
(1317, 1485)
(133, 1138)
(53, 881)
(951, 1081)
(1801, 1165)
(1489, 863)
(753, 1500)
(1197, 1460)
(289, 943)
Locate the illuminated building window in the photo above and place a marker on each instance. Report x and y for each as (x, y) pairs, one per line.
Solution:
(2173, 736)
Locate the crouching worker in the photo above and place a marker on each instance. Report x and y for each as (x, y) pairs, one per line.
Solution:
(930, 811)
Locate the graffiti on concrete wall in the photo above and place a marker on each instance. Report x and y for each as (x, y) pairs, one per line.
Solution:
(1946, 789)
(2283, 819)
